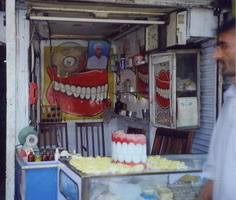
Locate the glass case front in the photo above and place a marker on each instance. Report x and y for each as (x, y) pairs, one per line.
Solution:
(156, 184)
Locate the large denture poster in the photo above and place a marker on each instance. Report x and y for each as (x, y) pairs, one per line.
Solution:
(162, 93)
(79, 92)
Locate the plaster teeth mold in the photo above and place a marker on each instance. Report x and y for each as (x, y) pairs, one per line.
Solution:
(129, 149)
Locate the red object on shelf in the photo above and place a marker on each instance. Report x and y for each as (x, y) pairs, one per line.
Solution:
(33, 93)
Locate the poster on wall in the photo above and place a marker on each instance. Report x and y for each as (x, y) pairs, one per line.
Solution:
(162, 93)
(142, 80)
(98, 52)
(80, 93)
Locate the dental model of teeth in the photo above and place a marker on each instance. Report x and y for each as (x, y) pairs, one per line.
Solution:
(97, 93)
(129, 149)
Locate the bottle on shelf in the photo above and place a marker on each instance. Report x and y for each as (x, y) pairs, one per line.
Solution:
(44, 156)
(118, 105)
(57, 154)
(122, 61)
(51, 156)
(31, 157)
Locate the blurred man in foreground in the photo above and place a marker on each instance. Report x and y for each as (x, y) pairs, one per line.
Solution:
(221, 165)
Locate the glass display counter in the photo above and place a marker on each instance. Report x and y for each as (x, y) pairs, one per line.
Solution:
(153, 184)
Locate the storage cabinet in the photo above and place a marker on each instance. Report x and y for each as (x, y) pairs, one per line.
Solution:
(36, 180)
(174, 89)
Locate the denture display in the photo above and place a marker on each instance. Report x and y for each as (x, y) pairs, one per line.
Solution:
(128, 149)
(163, 89)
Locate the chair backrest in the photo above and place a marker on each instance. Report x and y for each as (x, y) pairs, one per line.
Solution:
(171, 141)
(53, 135)
(90, 138)
(133, 130)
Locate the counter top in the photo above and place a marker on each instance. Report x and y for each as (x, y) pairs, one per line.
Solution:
(36, 165)
(194, 163)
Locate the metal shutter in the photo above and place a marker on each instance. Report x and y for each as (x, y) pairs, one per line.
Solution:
(208, 97)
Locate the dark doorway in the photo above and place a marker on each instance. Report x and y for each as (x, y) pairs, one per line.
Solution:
(2, 121)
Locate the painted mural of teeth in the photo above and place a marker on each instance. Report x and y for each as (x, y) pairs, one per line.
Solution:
(165, 93)
(93, 93)
(143, 77)
(98, 93)
(56, 86)
(73, 89)
(68, 90)
(62, 87)
(83, 92)
(88, 93)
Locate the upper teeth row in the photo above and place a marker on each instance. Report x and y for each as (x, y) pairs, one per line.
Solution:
(165, 93)
(143, 77)
(129, 152)
(94, 93)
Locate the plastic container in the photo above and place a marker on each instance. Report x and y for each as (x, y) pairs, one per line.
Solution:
(57, 154)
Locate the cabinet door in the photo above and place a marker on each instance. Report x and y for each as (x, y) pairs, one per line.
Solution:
(174, 89)
(161, 74)
(187, 90)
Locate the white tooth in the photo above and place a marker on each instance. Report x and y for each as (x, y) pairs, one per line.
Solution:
(118, 148)
(68, 91)
(102, 96)
(73, 89)
(105, 95)
(62, 87)
(77, 92)
(144, 149)
(93, 93)
(136, 159)
(128, 158)
(56, 86)
(83, 92)
(130, 149)
(106, 87)
(98, 92)
(88, 91)
(115, 157)
(124, 148)
(121, 158)
(113, 150)
(102, 93)
(138, 149)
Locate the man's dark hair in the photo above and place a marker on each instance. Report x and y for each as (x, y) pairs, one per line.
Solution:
(226, 26)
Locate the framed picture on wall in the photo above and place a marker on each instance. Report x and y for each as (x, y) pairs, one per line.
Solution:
(98, 52)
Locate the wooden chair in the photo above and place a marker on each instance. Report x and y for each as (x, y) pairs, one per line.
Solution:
(53, 135)
(132, 130)
(90, 138)
(170, 141)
